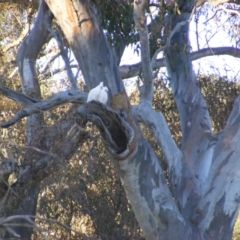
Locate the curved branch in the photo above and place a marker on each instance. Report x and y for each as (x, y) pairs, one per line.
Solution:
(117, 134)
(139, 170)
(128, 71)
(158, 126)
(220, 203)
(16, 96)
(73, 96)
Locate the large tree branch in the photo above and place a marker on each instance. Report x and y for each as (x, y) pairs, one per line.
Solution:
(81, 27)
(140, 172)
(219, 205)
(158, 126)
(33, 106)
(47, 165)
(140, 19)
(132, 70)
(194, 116)
(26, 60)
(17, 96)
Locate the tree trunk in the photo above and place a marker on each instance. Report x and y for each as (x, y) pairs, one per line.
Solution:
(199, 197)
(136, 162)
(191, 214)
(26, 59)
(206, 196)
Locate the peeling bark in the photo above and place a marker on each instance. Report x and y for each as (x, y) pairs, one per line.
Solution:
(221, 196)
(201, 197)
(140, 173)
(158, 126)
(135, 161)
(194, 116)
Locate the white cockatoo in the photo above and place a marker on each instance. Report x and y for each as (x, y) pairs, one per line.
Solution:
(99, 93)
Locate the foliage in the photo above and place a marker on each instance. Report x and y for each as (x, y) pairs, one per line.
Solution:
(87, 195)
(118, 22)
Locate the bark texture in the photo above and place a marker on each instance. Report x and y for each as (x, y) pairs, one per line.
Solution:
(199, 196)
(44, 154)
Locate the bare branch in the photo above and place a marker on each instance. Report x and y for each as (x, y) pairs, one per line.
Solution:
(16, 96)
(73, 96)
(46, 64)
(128, 71)
(140, 21)
(19, 40)
(58, 37)
(13, 72)
(158, 126)
(230, 10)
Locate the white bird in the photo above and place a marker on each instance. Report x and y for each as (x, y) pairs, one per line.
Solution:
(99, 93)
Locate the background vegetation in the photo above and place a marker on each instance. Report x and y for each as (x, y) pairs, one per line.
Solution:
(86, 194)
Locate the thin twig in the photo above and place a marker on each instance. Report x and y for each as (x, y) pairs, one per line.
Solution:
(5, 223)
(58, 37)
(230, 10)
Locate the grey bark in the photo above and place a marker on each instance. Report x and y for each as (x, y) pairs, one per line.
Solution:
(38, 160)
(26, 59)
(33, 106)
(133, 70)
(140, 19)
(135, 161)
(200, 198)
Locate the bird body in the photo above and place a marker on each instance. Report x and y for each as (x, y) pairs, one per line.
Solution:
(99, 93)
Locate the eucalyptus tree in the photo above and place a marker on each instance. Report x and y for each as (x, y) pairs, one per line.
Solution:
(198, 198)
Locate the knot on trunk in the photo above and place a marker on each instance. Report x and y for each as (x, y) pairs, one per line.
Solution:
(116, 132)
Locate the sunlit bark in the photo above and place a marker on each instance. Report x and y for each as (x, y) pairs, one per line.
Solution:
(199, 196)
(133, 70)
